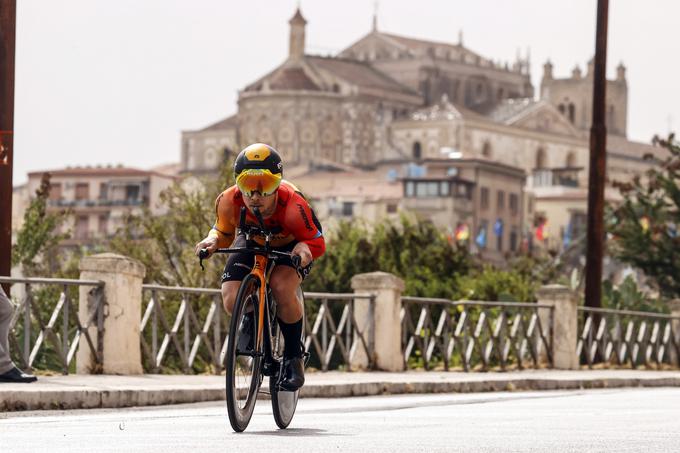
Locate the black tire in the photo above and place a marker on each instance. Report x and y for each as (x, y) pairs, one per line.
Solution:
(284, 403)
(244, 372)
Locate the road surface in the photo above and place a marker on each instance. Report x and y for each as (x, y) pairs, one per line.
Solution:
(621, 420)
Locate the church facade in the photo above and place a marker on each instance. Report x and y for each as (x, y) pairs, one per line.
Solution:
(389, 98)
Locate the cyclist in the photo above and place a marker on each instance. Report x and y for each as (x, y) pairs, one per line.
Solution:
(287, 215)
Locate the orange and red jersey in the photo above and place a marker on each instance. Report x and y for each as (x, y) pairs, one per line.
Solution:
(293, 219)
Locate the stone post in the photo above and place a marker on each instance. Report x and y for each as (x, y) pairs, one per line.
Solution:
(122, 277)
(565, 324)
(385, 328)
(674, 305)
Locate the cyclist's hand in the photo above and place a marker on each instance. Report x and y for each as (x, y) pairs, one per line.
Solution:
(209, 243)
(302, 250)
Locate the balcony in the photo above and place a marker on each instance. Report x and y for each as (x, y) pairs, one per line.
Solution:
(61, 203)
(555, 177)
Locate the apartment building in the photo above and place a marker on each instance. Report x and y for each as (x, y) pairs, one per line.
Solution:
(99, 198)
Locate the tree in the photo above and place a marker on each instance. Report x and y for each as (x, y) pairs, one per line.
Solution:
(413, 250)
(165, 243)
(645, 226)
(35, 249)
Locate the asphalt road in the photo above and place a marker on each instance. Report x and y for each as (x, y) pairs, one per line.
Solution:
(622, 420)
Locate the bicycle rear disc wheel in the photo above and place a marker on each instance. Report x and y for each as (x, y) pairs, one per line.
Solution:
(284, 402)
(243, 368)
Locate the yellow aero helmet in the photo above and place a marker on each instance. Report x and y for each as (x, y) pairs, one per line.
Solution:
(258, 168)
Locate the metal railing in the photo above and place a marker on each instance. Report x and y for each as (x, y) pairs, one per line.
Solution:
(475, 335)
(337, 337)
(198, 331)
(197, 337)
(623, 337)
(53, 344)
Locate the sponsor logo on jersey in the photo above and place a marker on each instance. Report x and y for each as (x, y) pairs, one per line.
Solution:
(305, 219)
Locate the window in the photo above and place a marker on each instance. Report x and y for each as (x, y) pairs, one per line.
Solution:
(513, 240)
(410, 188)
(486, 150)
(514, 204)
(501, 200)
(55, 191)
(348, 208)
(484, 198)
(499, 242)
(103, 191)
(82, 191)
(427, 189)
(132, 193)
(103, 225)
(82, 227)
(463, 191)
(572, 113)
(571, 160)
(540, 158)
(392, 208)
(417, 150)
(579, 223)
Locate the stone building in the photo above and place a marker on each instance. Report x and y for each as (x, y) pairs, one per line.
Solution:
(389, 98)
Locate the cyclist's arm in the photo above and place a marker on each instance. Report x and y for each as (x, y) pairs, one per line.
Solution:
(303, 224)
(225, 227)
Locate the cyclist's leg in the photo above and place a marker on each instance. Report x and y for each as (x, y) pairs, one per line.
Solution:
(284, 282)
(237, 267)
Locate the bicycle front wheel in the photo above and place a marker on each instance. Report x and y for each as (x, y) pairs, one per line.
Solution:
(243, 363)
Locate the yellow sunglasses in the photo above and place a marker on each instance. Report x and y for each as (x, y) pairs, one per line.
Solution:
(263, 181)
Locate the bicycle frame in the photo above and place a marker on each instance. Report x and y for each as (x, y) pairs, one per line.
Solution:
(261, 270)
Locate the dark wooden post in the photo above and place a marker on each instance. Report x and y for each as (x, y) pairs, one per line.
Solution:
(7, 40)
(598, 164)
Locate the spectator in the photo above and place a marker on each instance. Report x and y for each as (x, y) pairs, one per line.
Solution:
(8, 371)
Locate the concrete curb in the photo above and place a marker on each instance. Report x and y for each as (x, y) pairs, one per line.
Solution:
(495, 385)
(74, 392)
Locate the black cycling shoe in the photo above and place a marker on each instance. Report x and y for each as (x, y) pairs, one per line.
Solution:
(293, 374)
(245, 343)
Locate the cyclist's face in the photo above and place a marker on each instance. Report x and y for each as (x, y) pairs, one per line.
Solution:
(266, 204)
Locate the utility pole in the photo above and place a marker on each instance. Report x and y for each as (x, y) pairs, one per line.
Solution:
(7, 40)
(598, 164)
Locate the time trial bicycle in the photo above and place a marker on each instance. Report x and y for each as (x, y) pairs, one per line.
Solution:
(247, 366)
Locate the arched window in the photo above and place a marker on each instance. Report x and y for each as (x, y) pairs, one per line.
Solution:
(486, 150)
(417, 150)
(561, 108)
(540, 158)
(571, 159)
(610, 118)
(572, 113)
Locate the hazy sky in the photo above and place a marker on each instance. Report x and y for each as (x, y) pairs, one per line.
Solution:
(115, 81)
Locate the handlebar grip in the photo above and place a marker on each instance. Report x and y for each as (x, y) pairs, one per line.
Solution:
(203, 254)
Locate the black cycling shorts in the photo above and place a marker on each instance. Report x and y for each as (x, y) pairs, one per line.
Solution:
(240, 264)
